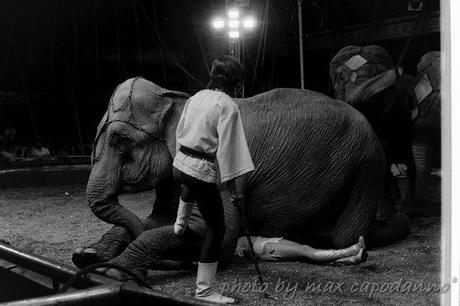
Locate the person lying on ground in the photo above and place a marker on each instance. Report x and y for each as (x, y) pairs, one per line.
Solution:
(280, 249)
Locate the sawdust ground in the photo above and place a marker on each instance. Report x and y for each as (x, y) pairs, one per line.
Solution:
(52, 221)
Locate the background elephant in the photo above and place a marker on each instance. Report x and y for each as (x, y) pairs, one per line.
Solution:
(366, 78)
(426, 113)
(319, 172)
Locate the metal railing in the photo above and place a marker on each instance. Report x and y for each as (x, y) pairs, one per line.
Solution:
(97, 289)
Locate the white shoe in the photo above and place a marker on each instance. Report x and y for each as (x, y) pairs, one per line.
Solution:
(183, 215)
(204, 285)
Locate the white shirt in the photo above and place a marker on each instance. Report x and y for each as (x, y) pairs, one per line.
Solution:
(211, 123)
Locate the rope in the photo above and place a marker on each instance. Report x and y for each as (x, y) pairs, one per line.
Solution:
(93, 267)
(242, 209)
(162, 46)
(139, 46)
(264, 25)
(117, 36)
(163, 66)
(334, 42)
(138, 128)
(192, 12)
(406, 46)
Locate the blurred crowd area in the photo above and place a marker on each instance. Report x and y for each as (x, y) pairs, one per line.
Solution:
(13, 145)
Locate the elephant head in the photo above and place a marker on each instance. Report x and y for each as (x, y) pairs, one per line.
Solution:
(358, 73)
(130, 151)
(366, 78)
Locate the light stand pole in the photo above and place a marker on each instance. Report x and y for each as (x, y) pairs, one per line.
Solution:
(299, 8)
(235, 25)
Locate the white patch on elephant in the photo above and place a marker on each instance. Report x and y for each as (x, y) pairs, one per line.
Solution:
(423, 88)
(399, 170)
(415, 113)
(355, 62)
(353, 77)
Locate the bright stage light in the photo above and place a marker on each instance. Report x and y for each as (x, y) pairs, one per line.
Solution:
(249, 22)
(234, 34)
(233, 13)
(233, 24)
(218, 23)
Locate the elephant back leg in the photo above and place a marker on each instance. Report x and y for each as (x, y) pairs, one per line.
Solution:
(152, 245)
(361, 206)
(113, 243)
(368, 201)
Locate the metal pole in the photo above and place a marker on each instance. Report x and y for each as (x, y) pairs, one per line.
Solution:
(74, 105)
(100, 295)
(302, 83)
(50, 268)
(242, 62)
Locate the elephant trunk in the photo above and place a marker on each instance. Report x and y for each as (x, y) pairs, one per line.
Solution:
(102, 194)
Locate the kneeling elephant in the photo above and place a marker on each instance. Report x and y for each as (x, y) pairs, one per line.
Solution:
(319, 175)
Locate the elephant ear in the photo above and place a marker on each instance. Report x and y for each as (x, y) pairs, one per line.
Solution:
(169, 95)
(151, 105)
(98, 144)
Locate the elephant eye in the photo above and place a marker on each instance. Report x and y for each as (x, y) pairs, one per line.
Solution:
(122, 144)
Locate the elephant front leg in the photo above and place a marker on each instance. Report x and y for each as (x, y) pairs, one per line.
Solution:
(367, 196)
(113, 242)
(150, 246)
(102, 192)
(162, 243)
(423, 164)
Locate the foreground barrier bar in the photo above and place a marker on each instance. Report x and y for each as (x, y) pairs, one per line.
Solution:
(131, 294)
(100, 295)
(55, 270)
(103, 291)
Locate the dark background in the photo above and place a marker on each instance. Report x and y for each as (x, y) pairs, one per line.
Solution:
(61, 59)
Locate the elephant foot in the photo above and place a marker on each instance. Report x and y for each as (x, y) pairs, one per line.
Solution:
(425, 211)
(116, 270)
(83, 257)
(419, 209)
(112, 273)
(394, 229)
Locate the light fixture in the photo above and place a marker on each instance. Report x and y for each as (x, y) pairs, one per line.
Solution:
(233, 13)
(218, 23)
(233, 24)
(234, 34)
(249, 22)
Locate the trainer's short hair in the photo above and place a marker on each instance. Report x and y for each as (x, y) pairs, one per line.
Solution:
(226, 74)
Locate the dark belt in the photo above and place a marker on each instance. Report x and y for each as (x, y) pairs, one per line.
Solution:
(197, 154)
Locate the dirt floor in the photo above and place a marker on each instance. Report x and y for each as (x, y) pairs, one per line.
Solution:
(53, 221)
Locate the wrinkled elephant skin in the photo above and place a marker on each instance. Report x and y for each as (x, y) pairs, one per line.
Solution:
(382, 95)
(319, 169)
